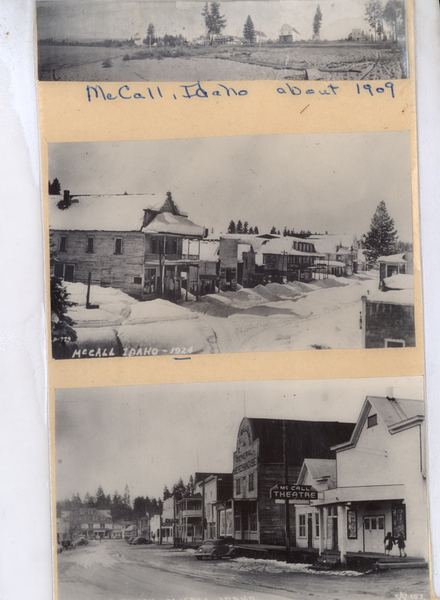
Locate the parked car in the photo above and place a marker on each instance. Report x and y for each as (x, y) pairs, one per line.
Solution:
(141, 540)
(82, 542)
(67, 545)
(133, 541)
(130, 539)
(215, 549)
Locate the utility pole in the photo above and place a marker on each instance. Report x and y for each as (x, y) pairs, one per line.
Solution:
(286, 482)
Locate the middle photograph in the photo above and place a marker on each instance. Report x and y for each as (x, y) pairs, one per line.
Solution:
(231, 244)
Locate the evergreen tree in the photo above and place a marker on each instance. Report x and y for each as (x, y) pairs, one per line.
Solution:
(256, 230)
(249, 30)
(61, 325)
(273, 231)
(382, 238)
(251, 230)
(214, 21)
(239, 228)
(231, 228)
(150, 35)
(166, 493)
(55, 187)
(245, 227)
(190, 486)
(179, 489)
(317, 20)
(101, 501)
(373, 16)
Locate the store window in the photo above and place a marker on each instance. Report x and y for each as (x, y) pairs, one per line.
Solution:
(302, 525)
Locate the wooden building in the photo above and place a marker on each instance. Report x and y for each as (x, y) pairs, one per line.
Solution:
(131, 242)
(259, 466)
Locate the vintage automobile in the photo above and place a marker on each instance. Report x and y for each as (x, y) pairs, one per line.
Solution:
(141, 540)
(215, 549)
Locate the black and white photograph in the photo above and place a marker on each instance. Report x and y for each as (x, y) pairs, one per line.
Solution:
(222, 41)
(231, 244)
(250, 490)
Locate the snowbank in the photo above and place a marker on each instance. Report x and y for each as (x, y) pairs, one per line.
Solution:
(98, 295)
(156, 310)
(260, 565)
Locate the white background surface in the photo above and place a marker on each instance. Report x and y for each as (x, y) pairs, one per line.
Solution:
(25, 538)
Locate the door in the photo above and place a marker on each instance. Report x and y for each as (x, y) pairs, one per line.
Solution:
(374, 533)
(309, 530)
(69, 273)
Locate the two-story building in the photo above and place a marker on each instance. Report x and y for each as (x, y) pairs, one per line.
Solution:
(381, 484)
(93, 523)
(259, 465)
(131, 242)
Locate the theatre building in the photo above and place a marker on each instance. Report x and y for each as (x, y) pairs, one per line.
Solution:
(259, 467)
(376, 485)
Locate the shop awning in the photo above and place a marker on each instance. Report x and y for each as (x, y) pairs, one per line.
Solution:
(362, 493)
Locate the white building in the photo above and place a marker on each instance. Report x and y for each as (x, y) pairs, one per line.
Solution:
(381, 485)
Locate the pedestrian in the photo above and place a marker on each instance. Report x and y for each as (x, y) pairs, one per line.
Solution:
(401, 545)
(388, 541)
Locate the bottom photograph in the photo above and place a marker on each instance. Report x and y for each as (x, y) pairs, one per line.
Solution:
(241, 491)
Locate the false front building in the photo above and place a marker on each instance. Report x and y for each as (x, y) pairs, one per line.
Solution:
(130, 242)
(259, 467)
(376, 485)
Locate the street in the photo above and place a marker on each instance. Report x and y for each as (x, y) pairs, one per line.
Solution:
(114, 570)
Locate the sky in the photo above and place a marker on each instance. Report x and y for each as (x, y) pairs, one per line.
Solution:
(124, 19)
(316, 182)
(149, 436)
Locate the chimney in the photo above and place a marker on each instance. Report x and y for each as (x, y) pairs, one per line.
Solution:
(67, 196)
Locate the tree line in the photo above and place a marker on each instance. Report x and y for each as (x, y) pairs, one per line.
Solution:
(120, 506)
(393, 13)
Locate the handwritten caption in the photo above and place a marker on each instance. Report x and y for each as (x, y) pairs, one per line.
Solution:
(195, 90)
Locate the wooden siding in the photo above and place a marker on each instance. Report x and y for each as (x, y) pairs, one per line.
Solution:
(272, 515)
(106, 268)
(392, 321)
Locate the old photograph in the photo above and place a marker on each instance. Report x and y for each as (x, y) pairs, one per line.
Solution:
(250, 490)
(231, 244)
(222, 41)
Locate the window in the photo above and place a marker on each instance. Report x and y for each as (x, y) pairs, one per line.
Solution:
(90, 245)
(251, 482)
(63, 271)
(118, 245)
(238, 486)
(317, 524)
(302, 525)
(394, 343)
(253, 522)
(138, 280)
(372, 421)
(150, 281)
(63, 243)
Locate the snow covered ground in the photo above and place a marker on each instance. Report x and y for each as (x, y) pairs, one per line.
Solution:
(292, 316)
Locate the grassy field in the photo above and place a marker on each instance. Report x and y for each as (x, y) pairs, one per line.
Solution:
(300, 60)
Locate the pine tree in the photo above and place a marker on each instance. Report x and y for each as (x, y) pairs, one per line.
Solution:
(382, 238)
(166, 493)
(231, 228)
(273, 231)
(61, 325)
(55, 187)
(249, 30)
(245, 227)
(256, 230)
(239, 228)
(317, 20)
(251, 230)
(214, 21)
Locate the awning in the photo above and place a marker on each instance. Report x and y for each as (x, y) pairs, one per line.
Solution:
(362, 493)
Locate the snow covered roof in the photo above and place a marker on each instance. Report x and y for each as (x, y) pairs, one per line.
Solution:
(328, 242)
(243, 248)
(168, 223)
(399, 282)
(393, 258)
(331, 263)
(321, 467)
(209, 251)
(120, 212)
(393, 297)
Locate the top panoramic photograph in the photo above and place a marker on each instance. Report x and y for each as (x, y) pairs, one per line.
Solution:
(222, 41)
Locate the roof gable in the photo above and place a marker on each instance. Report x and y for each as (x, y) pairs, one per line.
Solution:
(396, 414)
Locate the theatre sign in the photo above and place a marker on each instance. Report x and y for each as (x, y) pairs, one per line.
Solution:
(295, 494)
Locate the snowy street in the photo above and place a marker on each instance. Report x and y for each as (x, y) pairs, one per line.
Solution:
(321, 314)
(115, 570)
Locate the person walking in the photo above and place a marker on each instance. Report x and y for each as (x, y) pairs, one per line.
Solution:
(401, 545)
(388, 541)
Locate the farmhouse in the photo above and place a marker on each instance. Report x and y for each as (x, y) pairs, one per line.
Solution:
(136, 243)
